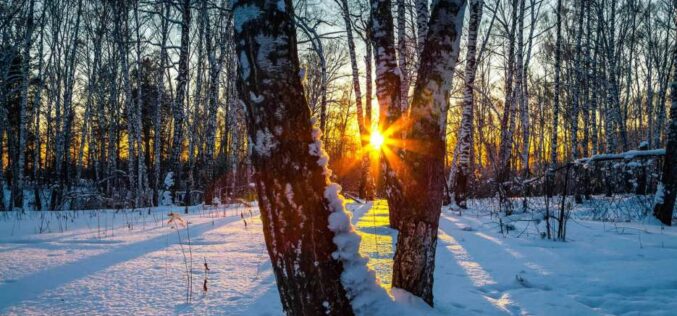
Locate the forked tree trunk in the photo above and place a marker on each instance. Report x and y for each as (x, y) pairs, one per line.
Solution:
(665, 197)
(308, 234)
(414, 261)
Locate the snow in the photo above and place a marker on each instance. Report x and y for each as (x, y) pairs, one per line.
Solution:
(130, 262)
(366, 295)
(281, 5)
(243, 14)
(245, 68)
(631, 154)
(265, 143)
(166, 194)
(660, 194)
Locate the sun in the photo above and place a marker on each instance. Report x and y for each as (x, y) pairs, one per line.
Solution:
(376, 140)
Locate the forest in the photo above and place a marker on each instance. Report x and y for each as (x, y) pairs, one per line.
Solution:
(366, 148)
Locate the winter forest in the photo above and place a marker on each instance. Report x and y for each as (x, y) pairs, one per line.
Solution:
(338, 157)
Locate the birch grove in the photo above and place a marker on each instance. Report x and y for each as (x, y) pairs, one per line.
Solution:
(304, 105)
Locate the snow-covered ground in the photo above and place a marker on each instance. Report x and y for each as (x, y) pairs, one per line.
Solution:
(131, 262)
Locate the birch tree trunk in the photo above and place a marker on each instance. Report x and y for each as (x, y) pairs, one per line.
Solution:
(520, 83)
(308, 234)
(366, 190)
(178, 104)
(466, 140)
(402, 55)
(664, 202)
(160, 89)
(388, 91)
(65, 118)
(422, 17)
(556, 93)
(18, 187)
(414, 261)
(142, 177)
(122, 35)
(215, 67)
(509, 107)
(576, 91)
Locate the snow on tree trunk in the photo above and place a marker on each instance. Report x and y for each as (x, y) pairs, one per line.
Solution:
(465, 139)
(667, 191)
(308, 234)
(414, 260)
(388, 91)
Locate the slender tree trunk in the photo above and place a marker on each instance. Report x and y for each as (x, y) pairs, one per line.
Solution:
(466, 139)
(17, 192)
(142, 177)
(509, 107)
(402, 55)
(64, 117)
(577, 87)
(178, 104)
(160, 98)
(664, 202)
(92, 84)
(122, 35)
(366, 190)
(520, 83)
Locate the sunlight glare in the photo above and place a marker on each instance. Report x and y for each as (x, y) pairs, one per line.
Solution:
(376, 140)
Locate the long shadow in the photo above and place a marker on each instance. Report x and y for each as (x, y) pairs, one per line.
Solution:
(510, 294)
(34, 285)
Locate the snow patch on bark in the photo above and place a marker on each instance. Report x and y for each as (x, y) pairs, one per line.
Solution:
(660, 194)
(281, 6)
(363, 289)
(245, 14)
(265, 143)
(267, 54)
(245, 68)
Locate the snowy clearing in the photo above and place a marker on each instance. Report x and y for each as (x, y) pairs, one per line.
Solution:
(130, 262)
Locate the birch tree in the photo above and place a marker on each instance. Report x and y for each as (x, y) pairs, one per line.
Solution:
(18, 187)
(178, 103)
(664, 202)
(308, 234)
(466, 142)
(388, 92)
(414, 260)
(366, 189)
